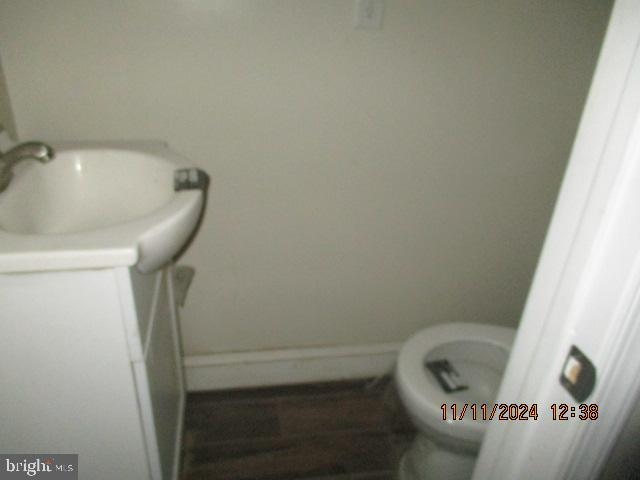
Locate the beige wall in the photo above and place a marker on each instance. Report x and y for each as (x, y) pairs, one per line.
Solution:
(365, 184)
(6, 114)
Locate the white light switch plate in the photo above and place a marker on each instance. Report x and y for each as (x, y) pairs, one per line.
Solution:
(368, 14)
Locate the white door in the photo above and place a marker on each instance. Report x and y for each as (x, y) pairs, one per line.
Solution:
(586, 291)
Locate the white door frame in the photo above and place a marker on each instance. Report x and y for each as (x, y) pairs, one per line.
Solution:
(586, 290)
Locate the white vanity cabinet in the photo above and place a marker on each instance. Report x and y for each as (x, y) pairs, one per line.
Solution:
(90, 363)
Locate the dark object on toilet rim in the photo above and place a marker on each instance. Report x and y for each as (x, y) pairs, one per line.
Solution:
(447, 376)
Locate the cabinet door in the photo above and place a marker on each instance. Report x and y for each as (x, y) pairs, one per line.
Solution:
(161, 376)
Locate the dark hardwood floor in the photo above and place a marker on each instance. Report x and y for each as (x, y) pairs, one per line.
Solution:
(337, 430)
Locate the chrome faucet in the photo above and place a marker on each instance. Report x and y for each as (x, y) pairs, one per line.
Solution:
(24, 151)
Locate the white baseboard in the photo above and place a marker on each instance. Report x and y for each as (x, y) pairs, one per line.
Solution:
(280, 367)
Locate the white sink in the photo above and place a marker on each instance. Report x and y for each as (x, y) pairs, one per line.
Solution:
(96, 205)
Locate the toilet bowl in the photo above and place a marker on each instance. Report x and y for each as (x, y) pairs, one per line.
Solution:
(449, 364)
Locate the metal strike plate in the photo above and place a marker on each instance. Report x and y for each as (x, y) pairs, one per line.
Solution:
(578, 375)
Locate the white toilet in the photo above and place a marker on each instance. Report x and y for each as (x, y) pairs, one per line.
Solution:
(466, 359)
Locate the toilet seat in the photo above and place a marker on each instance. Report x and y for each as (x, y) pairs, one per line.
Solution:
(478, 351)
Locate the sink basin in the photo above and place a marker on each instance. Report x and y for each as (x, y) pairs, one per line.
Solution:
(96, 205)
(85, 190)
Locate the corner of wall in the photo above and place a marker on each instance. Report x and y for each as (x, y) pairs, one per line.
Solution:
(6, 113)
